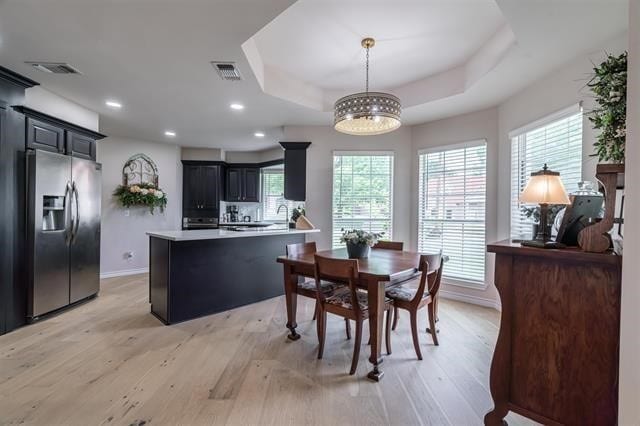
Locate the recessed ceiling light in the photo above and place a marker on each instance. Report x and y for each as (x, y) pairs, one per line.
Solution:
(258, 135)
(170, 133)
(237, 107)
(113, 104)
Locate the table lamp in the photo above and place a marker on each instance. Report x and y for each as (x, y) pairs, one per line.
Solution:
(544, 188)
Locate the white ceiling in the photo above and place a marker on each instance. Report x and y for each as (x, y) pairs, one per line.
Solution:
(153, 56)
(318, 41)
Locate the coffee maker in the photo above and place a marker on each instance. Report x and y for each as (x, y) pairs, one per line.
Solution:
(232, 213)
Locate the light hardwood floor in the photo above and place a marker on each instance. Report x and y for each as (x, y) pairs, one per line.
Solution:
(110, 362)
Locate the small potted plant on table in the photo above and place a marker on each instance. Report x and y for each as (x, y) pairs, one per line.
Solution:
(359, 242)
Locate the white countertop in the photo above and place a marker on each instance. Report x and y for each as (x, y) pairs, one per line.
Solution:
(252, 223)
(215, 234)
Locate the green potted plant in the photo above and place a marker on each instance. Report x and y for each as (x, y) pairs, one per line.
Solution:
(141, 194)
(359, 242)
(609, 86)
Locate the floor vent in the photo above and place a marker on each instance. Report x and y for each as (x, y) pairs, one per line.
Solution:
(227, 70)
(54, 67)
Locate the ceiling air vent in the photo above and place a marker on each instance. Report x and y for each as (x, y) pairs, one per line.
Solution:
(54, 67)
(227, 70)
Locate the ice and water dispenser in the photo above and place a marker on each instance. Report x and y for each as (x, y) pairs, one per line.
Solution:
(53, 213)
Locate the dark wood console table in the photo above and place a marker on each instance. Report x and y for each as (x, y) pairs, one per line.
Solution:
(556, 358)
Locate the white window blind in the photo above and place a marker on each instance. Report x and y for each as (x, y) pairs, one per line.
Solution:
(451, 203)
(362, 192)
(273, 194)
(558, 143)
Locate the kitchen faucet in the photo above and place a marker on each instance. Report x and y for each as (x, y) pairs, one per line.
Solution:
(286, 208)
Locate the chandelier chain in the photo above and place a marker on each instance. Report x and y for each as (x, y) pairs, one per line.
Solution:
(367, 73)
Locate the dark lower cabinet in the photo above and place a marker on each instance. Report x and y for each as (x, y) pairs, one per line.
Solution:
(201, 189)
(243, 184)
(13, 288)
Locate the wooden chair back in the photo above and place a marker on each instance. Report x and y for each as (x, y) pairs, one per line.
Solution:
(344, 271)
(389, 245)
(301, 248)
(431, 268)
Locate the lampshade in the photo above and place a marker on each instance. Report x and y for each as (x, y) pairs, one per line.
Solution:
(544, 187)
(367, 113)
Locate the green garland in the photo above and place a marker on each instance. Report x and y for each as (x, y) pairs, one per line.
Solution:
(609, 85)
(142, 194)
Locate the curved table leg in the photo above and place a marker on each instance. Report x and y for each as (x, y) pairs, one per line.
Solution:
(376, 296)
(291, 297)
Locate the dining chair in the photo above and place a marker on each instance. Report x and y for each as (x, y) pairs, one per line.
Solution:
(351, 303)
(389, 245)
(412, 299)
(308, 288)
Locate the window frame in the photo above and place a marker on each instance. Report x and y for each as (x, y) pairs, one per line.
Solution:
(459, 282)
(536, 125)
(365, 153)
(263, 198)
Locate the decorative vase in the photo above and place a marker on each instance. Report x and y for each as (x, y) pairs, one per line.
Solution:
(358, 251)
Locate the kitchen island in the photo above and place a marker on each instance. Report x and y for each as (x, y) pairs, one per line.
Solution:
(201, 272)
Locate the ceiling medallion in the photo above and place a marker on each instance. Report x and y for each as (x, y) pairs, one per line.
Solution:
(367, 113)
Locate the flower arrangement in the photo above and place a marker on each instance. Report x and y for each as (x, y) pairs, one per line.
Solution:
(141, 194)
(609, 85)
(360, 237)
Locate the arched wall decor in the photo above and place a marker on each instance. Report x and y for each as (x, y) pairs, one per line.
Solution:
(139, 169)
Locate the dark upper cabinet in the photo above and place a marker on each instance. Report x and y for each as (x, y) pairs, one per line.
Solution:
(81, 146)
(233, 189)
(243, 184)
(251, 185)
(295, 170)
(201, 189)
(210, 177)
(41, 135)
(52, 134)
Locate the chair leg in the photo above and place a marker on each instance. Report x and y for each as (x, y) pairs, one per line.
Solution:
(315, 312)
(347, 325)
(356, 348)
(388, 332)
(322, 331)
(431, 308)
(395, 317)
(414, 333)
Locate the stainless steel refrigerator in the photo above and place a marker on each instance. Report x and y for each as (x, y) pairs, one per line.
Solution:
(63, 227)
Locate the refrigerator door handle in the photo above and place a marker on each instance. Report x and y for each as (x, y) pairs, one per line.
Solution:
(68, 220)
(76, 223)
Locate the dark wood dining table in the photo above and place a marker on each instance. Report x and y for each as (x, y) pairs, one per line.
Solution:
(382, 269)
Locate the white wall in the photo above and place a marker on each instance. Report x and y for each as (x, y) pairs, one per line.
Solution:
(202, 154)
(324, 140)
(561, 88)
(42, 100)
(121, 233)
(275, 153)
(463, 128)
(630, 335)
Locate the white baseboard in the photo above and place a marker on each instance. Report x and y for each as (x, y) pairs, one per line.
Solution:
(123, 273)
(474, 300)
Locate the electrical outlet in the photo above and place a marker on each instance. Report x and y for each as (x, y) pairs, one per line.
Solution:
(126, 212)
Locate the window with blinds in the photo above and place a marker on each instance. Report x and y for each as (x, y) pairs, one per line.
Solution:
(556, 141)
(273, 194)
(362, 193)
(451, 203)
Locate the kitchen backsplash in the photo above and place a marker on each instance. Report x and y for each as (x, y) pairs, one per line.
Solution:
(244, 209)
